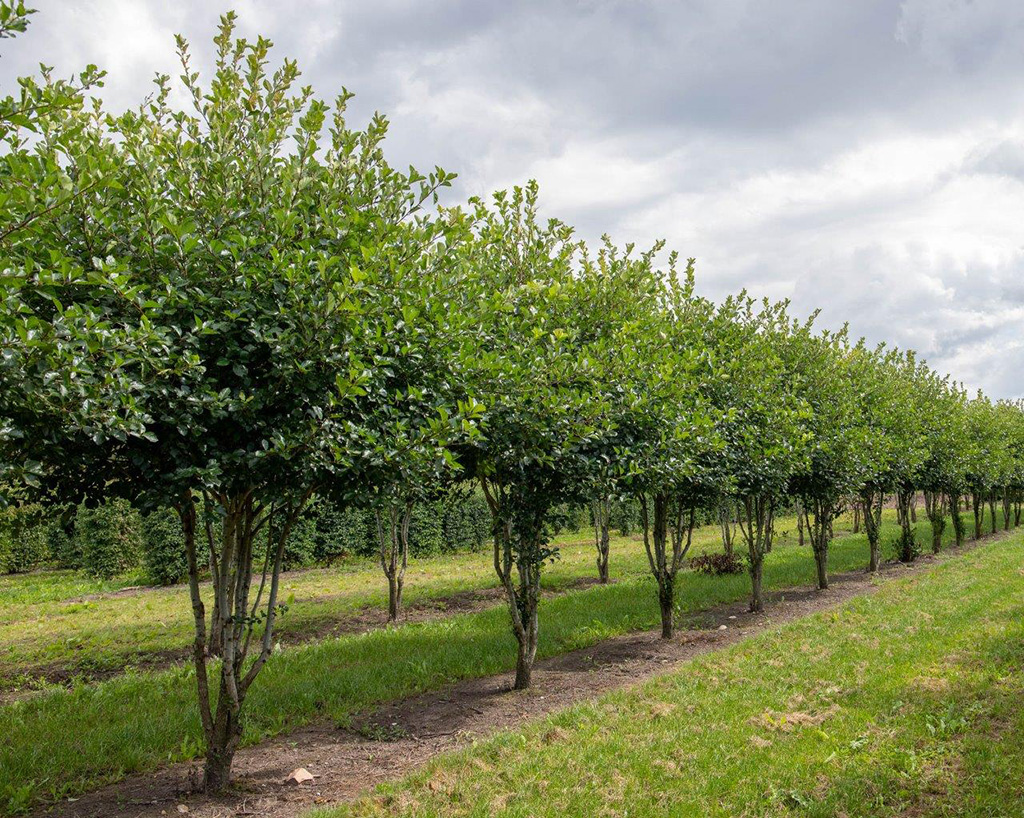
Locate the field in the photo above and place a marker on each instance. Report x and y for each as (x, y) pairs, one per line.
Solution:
(905, 702)
(141, 720)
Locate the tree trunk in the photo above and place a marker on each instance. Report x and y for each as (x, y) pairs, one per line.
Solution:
(519, 554)
(800, 523)
(769, 537)
(1006, 509)
(659, 537)
(728, 531)
(233, 617)
(992, 510)
(856, 518)
(528, 641)
(872, 501)
(601, 509)
(667, 601)
(907, 545)
(393, 540)
(818, 521)
(756, 576)
(821, 562)
(958, 521)
(978, 507)
(753, 526)
(227, 733)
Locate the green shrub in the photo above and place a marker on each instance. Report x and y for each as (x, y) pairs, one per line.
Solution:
(906, 547)
(109, 538)
(300, 549)
(624, 515)
(23, 538)
(465, 519)
(62, 545)
(163, 548)
(341, 532)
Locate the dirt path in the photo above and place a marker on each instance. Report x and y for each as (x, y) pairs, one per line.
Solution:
(398, 738)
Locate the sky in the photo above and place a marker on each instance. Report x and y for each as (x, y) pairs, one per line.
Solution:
(861, 157)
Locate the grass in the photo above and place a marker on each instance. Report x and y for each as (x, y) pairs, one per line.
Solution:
(61, 620)
(99, 733)
(902, 703)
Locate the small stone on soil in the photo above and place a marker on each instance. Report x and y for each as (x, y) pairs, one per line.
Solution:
(300, 775)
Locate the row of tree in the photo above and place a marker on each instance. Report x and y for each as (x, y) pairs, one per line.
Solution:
(236, 307)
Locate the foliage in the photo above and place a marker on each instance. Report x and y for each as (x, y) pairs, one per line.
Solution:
(163, 548)
(109, 538)
(24, 542)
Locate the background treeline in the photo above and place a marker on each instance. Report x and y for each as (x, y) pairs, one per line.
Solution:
(114, 537)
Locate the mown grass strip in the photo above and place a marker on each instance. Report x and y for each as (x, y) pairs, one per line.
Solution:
(906, 702)
(100, 733)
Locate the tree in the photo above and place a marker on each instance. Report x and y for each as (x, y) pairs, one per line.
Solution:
(985, 459)
(537, 370)
(821, 371)
(758, 420)
(208, 312)
(670, 446)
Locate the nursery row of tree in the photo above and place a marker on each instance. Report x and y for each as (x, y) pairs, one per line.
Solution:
(236, 308)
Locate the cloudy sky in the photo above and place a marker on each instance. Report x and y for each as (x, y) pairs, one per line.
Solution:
(861, 156)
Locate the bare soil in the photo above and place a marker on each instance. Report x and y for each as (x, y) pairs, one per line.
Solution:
(400, 737)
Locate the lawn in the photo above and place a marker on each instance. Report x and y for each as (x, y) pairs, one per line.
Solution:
(902, 703)
(102, 732)
(60, 623)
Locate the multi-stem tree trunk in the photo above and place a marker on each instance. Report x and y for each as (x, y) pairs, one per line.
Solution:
(233, 619)
(906, 547)
(393, 539)
(754, 524)
(992, 499)
(728, 526)
(913, 508)
(601, 511)
(978, 507)
(872, 500)
(519, 555)
(800, 523)
(935, 508)
(953, 500)
(818, 516)
(659, 537)
(1006, 508)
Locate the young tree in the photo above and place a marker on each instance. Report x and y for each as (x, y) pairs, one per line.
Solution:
(984, 465)
(671, 444)
(758, 419)
(537, 370)
(820, 370)
(221, 339)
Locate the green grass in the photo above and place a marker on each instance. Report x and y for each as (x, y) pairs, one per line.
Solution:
(902, 703)
(68, 741)
(61, 620)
